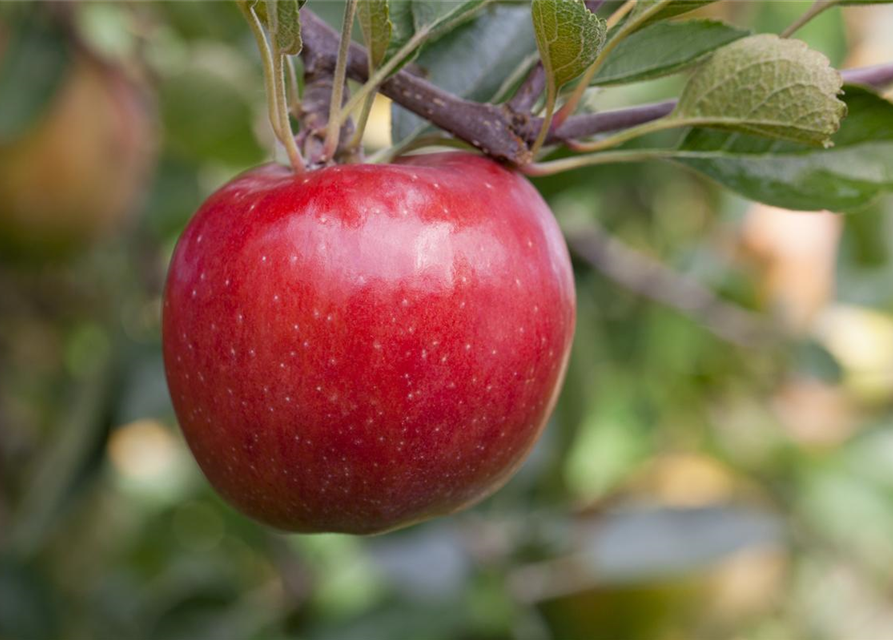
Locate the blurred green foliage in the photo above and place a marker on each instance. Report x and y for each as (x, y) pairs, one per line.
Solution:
(686, 487)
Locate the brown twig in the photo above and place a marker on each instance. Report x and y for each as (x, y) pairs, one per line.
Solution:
(651, 279)
(878, 76)
(529, 91)
(590, 124)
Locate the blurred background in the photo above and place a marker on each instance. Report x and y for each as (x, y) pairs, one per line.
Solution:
(693, 482)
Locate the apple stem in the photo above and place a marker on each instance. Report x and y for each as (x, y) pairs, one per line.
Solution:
(333, 128)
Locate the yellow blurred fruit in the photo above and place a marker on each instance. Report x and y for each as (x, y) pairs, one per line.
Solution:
(815, 413)
(861, 339)
(685, 480)
(795, 254)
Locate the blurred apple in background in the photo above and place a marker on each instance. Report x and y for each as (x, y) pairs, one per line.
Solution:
(81, 165)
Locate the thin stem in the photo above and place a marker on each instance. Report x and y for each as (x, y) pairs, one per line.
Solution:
(615, 18)
(626, 135)
(294, 88)
(629, 27)
(547, 120)
(819, 7)
(362, 119)
(383, 72)
(333, 131)
(577, 162)
(266, 58)
(286, 136)
(413, 144)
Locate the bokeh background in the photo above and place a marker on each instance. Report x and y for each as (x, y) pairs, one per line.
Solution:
(688, 486)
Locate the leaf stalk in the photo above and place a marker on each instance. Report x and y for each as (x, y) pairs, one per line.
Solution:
(274, 64)
(818, 8)
(547, 120)
(333, 131)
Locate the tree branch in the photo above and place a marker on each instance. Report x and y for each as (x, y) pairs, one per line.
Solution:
(488, 127)
(878, 76)
(529, 91)
(650, 279)
(502, 131)
(583, 126)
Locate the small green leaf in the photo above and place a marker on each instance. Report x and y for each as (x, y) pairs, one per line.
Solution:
(766, 86)
(664, 48)
(33, 65)
(850, 174)
(284, 22)
(569, 37)
(375, 24)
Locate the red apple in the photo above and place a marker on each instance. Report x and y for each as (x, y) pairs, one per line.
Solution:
(367, 346)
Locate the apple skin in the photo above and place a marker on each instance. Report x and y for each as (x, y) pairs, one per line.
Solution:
(74, 176)
(367, 346)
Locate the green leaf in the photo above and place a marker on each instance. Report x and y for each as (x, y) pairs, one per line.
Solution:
(472, 60)
(434, 16)
(850, 174)
(376, 26)
(664, 48)
(766, 86)
(284, 23)
(402, 25)
(33, 65)
(439, 15)
(658, 10)
(569, 37)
